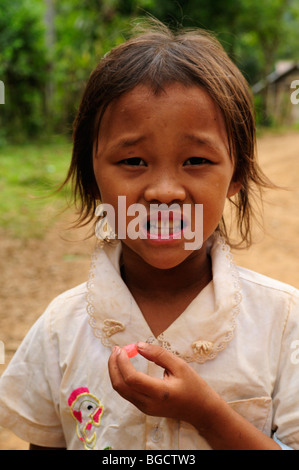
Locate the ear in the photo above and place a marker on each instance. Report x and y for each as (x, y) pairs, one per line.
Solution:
(234, 188)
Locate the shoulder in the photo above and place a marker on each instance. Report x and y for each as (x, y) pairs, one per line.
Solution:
(68, 308)
(254, 280)
(76, 295)
(269, 312)
(269, 294)
(75, 292)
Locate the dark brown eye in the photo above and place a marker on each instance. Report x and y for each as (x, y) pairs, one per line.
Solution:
(196, 161)
(134, 161)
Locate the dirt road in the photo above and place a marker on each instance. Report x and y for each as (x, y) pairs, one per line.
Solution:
(34, 272)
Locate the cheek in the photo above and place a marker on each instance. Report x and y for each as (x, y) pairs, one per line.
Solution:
(213, 206)
(107, 195)
(212, 211)
(107, 188)
(111, 185)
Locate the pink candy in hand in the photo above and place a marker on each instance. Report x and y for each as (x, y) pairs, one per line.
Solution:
(131, 349)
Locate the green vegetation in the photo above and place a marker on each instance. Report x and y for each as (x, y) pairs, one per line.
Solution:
(48, 48)
(29, 175)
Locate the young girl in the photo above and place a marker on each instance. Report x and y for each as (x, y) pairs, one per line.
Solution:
(166, 119)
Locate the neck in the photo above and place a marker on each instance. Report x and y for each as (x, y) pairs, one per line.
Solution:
(192, 275)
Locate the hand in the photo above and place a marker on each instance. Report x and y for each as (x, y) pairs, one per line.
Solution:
(182, 394)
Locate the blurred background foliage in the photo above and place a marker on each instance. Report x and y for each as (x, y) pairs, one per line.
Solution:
(48, 48)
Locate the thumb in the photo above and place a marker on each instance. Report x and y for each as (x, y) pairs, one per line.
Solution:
(160, 356)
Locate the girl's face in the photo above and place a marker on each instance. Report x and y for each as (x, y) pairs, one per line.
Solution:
(169, 148)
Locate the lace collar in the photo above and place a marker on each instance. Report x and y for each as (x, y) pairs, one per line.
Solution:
(197, 335)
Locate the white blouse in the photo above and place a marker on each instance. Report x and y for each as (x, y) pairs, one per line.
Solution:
(241, 334)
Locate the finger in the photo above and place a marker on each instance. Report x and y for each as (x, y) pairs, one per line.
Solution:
(161, 357)
(123, 375)
(114, 372)
(126, 386)
(119, 383)
(136, 380)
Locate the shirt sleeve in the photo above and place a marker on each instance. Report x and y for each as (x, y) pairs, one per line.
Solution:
(285, 396)
(282, 446)
(29, 388)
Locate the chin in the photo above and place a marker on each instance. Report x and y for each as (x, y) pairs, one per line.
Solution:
(164, 257)
(166, 261)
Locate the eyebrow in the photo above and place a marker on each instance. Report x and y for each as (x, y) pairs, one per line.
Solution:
(129, 142)
(199, 140)
(208, 142)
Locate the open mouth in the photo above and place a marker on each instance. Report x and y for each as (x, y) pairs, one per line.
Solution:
(159, 227)
(165, 225)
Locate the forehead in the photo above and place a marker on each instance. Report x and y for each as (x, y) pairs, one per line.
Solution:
(176, 106)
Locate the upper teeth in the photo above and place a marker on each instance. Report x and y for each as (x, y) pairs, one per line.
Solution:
(165, 226)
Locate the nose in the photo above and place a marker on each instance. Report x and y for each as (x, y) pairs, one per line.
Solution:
(165, 188)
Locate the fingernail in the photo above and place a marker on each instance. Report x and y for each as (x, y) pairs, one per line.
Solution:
(116, 350)
(141, 345)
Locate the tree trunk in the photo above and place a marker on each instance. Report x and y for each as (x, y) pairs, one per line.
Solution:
(49, 19)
